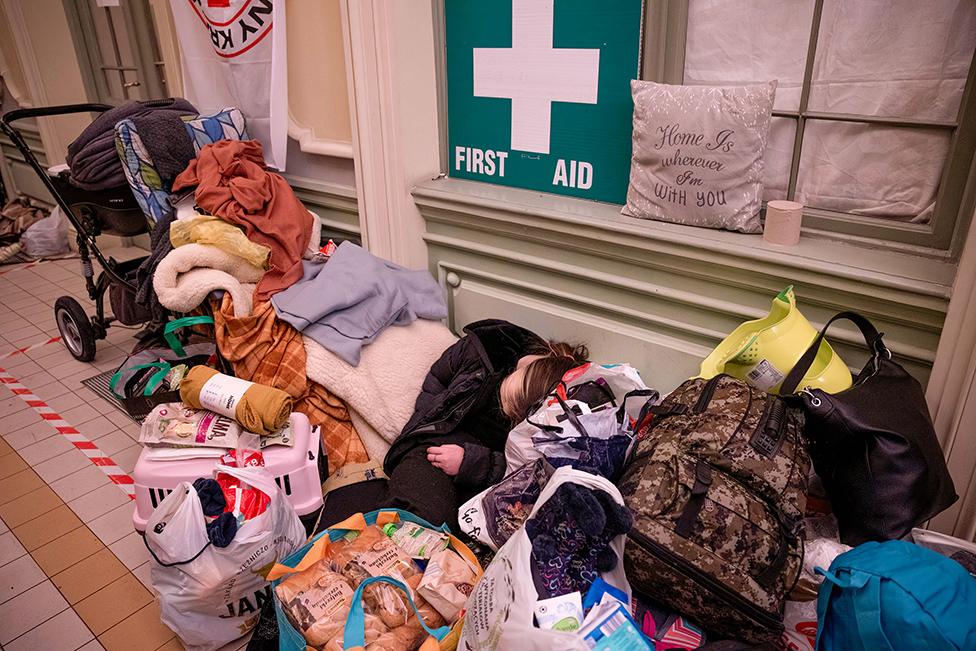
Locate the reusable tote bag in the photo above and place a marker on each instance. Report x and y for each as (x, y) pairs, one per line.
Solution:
(290, 639)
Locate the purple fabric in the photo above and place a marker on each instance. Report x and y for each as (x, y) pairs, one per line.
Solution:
(571, 535)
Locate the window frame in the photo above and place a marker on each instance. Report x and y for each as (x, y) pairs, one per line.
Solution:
(664, 42)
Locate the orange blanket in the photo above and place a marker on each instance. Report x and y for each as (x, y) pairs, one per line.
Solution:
(231, 183)
(266, 350)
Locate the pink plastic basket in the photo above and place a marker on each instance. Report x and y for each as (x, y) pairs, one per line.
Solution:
(295, 469)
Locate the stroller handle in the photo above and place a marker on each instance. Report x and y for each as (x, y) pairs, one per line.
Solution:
(43, 111)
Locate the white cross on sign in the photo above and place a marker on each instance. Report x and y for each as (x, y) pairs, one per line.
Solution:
(534, 74)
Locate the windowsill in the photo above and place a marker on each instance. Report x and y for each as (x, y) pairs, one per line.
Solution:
(852, 260)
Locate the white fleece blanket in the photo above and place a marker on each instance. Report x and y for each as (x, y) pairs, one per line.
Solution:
(380, 392)
(187, 274)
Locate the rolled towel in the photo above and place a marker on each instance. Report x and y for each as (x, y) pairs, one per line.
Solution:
(258, 408)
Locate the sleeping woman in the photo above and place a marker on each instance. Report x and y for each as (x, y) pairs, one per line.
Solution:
(454, 444)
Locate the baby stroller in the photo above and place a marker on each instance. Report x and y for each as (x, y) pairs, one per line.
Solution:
(110, 212)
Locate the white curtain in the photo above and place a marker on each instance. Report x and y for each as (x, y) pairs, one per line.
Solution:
(892, 58)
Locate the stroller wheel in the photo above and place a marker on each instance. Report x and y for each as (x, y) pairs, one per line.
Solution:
(75, 328)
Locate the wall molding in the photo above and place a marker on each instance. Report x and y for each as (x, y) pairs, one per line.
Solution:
(309, 143)
(365, 69)
(32, 77)
(390, 66)
(20, 95)
(336, 205)
(685, 284)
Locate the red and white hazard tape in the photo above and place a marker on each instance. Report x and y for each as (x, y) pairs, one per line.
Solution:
(26, 266)
(111, 469)
(21, 351)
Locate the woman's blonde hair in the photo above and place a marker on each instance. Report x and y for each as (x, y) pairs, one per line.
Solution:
(540, 376)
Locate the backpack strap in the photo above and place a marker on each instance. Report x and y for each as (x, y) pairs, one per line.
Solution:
(864, 591)
(703, 480)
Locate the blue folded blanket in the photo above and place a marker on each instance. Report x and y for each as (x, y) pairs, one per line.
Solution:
(345, 303)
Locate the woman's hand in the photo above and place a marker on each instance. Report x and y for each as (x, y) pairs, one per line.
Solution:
(446, 457)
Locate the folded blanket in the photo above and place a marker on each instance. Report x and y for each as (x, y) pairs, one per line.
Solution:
(346, 303)
(164, 135)
(189, 273)
(380, 392)
(92, 157)
(266, 350)
(257, 408)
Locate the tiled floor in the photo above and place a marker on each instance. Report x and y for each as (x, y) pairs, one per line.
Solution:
(74, 574)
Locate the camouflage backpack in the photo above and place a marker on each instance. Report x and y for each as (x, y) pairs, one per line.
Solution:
(717, 488)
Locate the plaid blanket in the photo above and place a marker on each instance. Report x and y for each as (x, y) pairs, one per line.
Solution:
(266, 350)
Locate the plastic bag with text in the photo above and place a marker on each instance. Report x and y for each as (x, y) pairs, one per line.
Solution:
(500, 610)
(590, 386)
(210, 596)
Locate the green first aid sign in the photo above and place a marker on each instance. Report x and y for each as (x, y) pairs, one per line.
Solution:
(538, 93)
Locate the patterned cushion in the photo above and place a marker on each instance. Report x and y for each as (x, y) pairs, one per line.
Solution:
(150, 191)
(226, 124)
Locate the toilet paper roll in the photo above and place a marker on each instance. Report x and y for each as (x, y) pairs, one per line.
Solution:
(783, 220)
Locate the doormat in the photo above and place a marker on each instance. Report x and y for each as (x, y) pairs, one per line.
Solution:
(99, 384)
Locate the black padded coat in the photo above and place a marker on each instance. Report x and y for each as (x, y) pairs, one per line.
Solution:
(459, 402)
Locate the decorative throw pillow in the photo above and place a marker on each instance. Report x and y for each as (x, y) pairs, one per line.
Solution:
(698, 154)
(226, 124)
(148, 187)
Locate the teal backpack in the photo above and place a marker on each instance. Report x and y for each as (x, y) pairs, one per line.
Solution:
(895, 595)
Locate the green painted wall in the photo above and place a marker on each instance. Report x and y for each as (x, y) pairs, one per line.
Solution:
(660, 296)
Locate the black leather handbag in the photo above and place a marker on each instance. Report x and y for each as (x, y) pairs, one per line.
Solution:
(873, 445)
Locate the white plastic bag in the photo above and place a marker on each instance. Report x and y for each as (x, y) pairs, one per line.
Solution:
(47, 237)
(211, 596)
(495, 514)
(961, 551)
(799, 626)
(500, 610)
(620, 379)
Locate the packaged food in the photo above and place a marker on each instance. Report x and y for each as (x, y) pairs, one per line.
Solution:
(418, 541)
(447, 583)
(172, 424)
(411, 634)
(317, 601)
(562, 613)
(371, 553)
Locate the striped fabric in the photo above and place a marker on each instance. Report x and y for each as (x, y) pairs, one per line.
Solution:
(226, 124)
